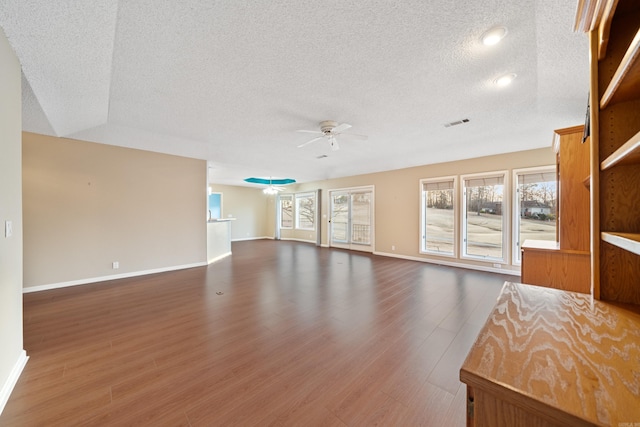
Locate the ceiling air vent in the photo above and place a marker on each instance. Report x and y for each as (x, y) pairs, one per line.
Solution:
(457, 122)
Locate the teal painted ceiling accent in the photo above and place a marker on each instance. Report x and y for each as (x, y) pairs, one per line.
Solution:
(270, 181)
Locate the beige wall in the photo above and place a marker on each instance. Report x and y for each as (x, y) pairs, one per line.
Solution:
(253, 211)
(87, 205)
(397, 199)
(12, 356)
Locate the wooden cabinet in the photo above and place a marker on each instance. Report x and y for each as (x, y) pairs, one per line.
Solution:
(545, 264)
(615, 169)
(565, 264)
(547, 357)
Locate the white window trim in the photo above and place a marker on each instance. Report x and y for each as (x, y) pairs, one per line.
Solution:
(456, 207)
(506, 229)
(515, 211)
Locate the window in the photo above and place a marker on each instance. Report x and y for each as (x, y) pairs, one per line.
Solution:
(438, 216)
(286, 211)
(215, 206)
(305, 211)
(536, 207)
(483, 221)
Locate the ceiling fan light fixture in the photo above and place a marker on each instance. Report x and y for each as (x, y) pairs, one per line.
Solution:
(505, 80)
(493, 36)
(270, 190)
(333, 143)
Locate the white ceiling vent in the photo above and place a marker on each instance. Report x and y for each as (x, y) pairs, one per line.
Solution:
(457, 122)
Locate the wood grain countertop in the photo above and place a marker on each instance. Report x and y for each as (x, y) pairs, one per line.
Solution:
(561, 356)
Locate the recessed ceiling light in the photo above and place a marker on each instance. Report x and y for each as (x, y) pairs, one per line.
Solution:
(493, 36)
(505, 80)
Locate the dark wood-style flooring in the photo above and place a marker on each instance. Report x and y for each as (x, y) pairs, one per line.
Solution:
(280, 333)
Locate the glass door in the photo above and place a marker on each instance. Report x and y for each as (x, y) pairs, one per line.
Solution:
(351, 220)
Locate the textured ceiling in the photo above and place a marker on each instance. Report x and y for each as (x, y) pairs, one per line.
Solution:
(231, 81)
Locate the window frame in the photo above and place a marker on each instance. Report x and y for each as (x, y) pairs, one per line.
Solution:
(298, 197)
(516, 259)
(423, 216)
(281, 198)
(506, 231)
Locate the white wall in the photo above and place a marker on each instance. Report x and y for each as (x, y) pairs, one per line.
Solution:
(12, 355)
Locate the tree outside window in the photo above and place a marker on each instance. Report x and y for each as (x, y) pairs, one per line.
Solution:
(305, 211)
(286, 211)
(438, 216)
(483, 217)
(537, 207)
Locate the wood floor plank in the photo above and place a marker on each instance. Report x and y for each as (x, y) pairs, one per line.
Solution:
(280, 333)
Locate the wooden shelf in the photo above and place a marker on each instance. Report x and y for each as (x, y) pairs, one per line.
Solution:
(626, 241)
(625, 83)
(628, 153)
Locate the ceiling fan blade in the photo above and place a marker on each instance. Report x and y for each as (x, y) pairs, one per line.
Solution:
(340, 128)
(333, 142)
(310, 131)
(309, 142)
(354, 135)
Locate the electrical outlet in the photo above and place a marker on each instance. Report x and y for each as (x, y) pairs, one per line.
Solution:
(115, 265)
(393, 247)
(8, 229)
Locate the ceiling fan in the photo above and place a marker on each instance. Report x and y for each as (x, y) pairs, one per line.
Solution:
(329, 130)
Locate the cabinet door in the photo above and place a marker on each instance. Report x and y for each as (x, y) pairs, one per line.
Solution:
(573, 167)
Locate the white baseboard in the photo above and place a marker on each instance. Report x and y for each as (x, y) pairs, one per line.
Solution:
(10, 383)
(299, 240)
(111, 277)
(219, 257)
(251, 238)
(452, 264)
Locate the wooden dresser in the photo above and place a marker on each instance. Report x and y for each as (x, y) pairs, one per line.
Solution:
(548, 357)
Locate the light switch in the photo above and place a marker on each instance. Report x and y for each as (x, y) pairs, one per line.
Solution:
(8, 229)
